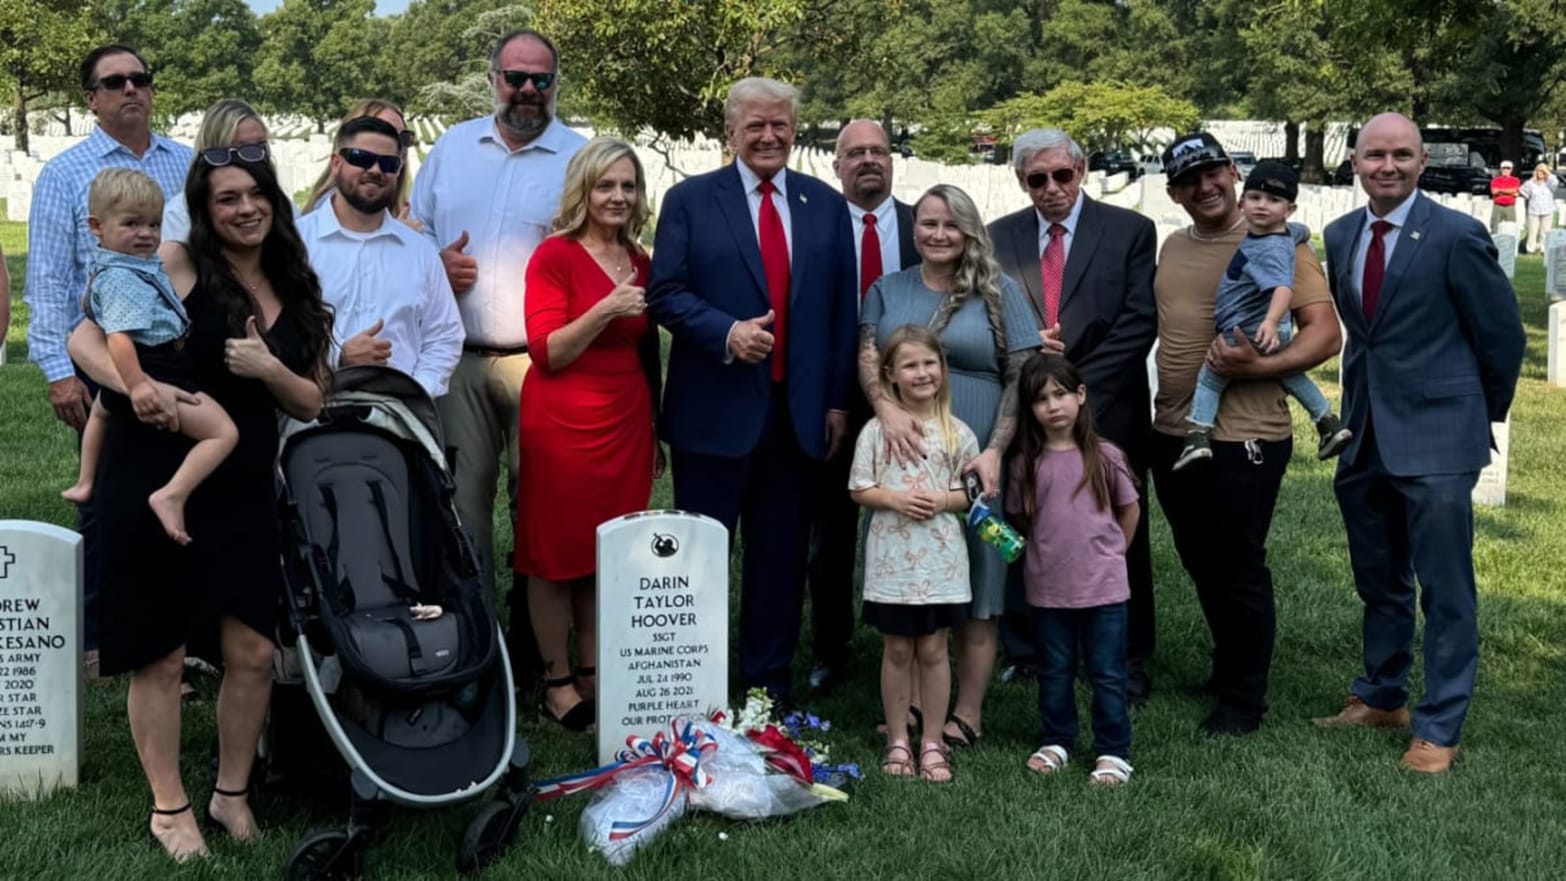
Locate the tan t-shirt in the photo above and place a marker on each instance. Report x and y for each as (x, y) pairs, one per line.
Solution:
(1186, 287)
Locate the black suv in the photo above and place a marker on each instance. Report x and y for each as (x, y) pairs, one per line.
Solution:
(1115, 162)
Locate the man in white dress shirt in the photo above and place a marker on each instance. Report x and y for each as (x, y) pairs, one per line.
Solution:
(486, 196)
(386, 282)
(883, 244)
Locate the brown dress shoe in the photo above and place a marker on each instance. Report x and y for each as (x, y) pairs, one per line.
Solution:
(1427, 758)
(1358, 714)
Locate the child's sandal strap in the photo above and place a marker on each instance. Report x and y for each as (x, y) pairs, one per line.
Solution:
(1052, 756)
(169, 812)
(1119, 770)
(231, 793)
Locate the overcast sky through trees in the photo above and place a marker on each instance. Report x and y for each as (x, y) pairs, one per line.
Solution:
(383, 7)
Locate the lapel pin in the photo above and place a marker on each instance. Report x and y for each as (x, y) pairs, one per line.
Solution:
(1414, 235)
(802, 199)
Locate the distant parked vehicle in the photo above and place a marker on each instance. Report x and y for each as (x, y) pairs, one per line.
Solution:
(1296, 163)
(1244, 162)
(1115, 162)
(1152, 164)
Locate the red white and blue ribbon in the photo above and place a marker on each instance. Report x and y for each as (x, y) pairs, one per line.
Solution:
(681, 751)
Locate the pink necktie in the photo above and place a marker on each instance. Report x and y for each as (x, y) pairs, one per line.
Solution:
(774, 262)
(1052, 268)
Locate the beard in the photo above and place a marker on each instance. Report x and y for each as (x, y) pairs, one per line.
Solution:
(525, 116)
(366, 204)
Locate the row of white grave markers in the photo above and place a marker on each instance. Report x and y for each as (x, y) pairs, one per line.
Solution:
(40, 658)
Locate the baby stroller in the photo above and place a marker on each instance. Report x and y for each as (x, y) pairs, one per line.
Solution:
(392, 635)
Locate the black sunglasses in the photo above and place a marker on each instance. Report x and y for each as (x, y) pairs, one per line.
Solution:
(516, 79)
(365, 159)
(114, 82)
(1038, 180)
(220, 156)
(406, 138)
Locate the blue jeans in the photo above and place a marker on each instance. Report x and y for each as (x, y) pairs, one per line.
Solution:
(1100, 631)
(1210, 386)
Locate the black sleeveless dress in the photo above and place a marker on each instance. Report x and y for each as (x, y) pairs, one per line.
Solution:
(156, 595)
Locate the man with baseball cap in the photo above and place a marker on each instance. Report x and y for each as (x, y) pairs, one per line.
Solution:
(1504, 188)
(1220, 513)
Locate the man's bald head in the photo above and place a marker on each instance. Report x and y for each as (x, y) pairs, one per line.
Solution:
(1389, 156)
(864, 163)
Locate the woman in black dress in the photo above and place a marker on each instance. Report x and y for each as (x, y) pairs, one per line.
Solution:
(258, 343)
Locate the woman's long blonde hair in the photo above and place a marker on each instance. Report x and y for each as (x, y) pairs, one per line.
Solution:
(590, 164)
(362, 107)
(1541, 172)
(977, 272)
(914, 335)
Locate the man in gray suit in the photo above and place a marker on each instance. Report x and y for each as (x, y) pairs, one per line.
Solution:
(1088, 271)
(1435, 345)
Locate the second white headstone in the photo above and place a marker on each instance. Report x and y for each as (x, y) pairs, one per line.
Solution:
(1491, 488)
(663, 622)
(1555, 363)
(1506, 252)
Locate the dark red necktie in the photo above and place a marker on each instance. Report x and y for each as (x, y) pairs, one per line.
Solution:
(1375, 268)
(1052, 270)
(869, 256)
(774, 262)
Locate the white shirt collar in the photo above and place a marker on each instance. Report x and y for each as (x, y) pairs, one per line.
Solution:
(1398, 216)
(751, 180)
(549, 140)
(327, 225)
(1070, 223)
(883, 212)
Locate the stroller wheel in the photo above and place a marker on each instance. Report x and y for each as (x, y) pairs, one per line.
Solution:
(325, 855)
(489, 835)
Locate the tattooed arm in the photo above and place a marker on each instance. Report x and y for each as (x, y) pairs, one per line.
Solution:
(988, 463)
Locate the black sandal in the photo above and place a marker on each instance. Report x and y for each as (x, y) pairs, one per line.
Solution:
(579, 718)
(214, 823)
(969, 738)
(158, 842)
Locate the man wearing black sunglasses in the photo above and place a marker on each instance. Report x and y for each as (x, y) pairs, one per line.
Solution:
(486, 196)
(1088, 271)
(385, 282)
(118, 90)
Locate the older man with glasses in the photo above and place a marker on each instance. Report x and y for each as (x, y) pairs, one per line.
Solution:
(486, 196)
(1088, 271)
(118, 90)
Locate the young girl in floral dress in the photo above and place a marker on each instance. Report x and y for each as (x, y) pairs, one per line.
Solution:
(916, 557)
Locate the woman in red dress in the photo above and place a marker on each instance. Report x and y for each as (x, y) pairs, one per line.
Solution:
(588, 450)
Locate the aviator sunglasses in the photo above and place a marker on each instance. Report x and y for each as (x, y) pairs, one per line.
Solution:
(116, 81)
(1038, 180)
(220, 156)
(516, 79)
(365, 159)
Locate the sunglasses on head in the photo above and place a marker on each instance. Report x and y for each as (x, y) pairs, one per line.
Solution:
(365, 159)
(406, 138)
(516, 79)
(116, 81)
(1038, 180)
(220, 156)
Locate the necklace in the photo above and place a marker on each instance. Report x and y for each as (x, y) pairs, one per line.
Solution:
(610, 264)
(1213, 237)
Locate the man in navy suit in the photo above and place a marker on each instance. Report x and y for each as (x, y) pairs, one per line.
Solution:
(753, 274)
(1435, 345)
(883, 243)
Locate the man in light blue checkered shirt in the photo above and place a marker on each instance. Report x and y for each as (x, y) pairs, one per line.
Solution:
(60, 249)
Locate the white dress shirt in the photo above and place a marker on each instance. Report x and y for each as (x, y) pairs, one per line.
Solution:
(506, 200)
(1070, 223)
(752, 185)
(1397, 217)
(886, 228)
(394, 275)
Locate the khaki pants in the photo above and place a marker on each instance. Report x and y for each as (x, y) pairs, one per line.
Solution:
(1538, 225)
(1500, 214)
(479, 413)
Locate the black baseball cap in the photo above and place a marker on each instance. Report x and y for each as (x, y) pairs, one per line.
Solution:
(1192, 152)
(1274, 178)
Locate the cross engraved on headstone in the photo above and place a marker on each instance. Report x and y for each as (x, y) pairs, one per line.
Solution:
(6, 559)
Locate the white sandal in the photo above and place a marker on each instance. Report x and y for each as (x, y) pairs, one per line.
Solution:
(1052, 757)
(1118, 772)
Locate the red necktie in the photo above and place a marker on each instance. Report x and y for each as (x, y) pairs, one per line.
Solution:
(1375, 268)
(1052, 269)
(869, 256)
(774, 262)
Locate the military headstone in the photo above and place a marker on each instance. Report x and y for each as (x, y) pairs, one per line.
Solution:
(1506, 251)
(40, 658)
(1555, 363)
(1555, 263)
(1491, 488)
(663, 622)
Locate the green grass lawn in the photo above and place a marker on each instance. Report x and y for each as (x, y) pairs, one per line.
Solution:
(1288, 803)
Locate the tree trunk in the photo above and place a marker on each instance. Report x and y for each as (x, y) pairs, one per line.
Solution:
(1512, 142)
(19, 115)
(1315, 146)
(1291, 140)
(67, 120)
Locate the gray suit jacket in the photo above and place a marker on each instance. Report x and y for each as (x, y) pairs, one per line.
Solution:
(1107, 315)
(1439, 359)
